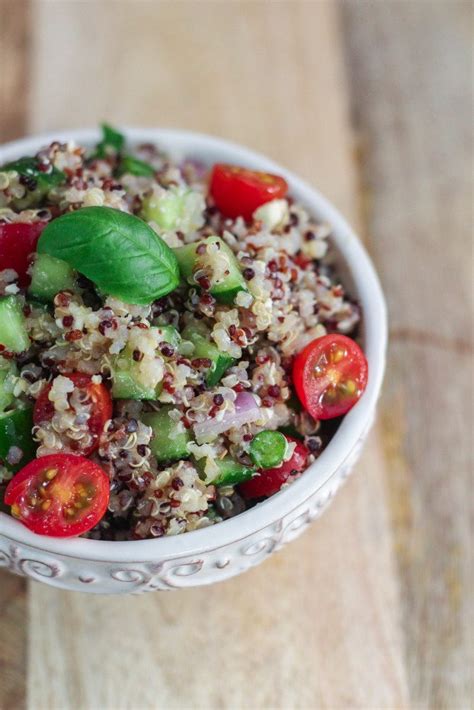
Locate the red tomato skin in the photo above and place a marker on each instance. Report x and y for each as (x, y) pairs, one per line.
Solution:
(239, 192)
(306, 385)
(53, 522)
(271, 480)
(17, 242)
(102, 407)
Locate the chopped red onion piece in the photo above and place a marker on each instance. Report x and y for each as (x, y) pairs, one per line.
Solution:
(246, 411)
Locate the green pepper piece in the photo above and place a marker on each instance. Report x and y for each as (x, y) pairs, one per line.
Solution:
(267, 449)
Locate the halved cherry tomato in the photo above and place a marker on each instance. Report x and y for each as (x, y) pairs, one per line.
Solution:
(101, 409)
(17, 242)
(270, 480)
(60, 495)
(330, 375)
(238, 191)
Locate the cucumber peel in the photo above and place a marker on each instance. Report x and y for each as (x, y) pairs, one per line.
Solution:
(230, 472)
(167, 444)
(49, 276)
(205, 348)
(189, 261)
(125, 371)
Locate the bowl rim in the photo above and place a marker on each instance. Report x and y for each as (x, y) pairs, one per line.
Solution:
(352, 428)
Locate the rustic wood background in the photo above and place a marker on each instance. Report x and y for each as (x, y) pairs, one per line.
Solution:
(372, 102)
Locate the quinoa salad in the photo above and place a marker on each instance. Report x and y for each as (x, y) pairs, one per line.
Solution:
(175, 345)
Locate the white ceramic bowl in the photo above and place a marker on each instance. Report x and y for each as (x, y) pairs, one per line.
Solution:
(222, 551)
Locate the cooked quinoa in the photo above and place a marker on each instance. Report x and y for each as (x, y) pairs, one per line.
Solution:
(290, 297)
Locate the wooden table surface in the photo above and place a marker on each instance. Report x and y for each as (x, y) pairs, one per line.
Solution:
(371, 102)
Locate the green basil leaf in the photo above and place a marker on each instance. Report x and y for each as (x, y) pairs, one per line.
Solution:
(112, 142)
(119, 252)
(134, 166)
(29, 167)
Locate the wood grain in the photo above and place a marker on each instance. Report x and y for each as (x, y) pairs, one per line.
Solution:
(206, 66)
(318, 623)
(14, 62)
(311, 628)
(409, 69)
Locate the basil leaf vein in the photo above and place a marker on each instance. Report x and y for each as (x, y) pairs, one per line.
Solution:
(119, 252)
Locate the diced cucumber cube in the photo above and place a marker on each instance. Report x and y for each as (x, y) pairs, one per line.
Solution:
(126, 386)
(126, 380)
(49, 276)
(177, 208)
(169, 334)
(205, 348)
(229, 280)
(8, 371)
(169, 443)
(127, 383)
(230, 472)
(13, 334)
